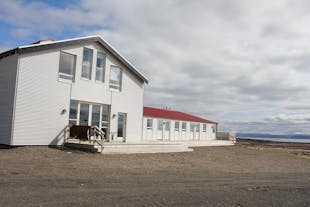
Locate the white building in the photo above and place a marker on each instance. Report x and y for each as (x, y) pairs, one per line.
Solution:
(85, 81)
(161, 124)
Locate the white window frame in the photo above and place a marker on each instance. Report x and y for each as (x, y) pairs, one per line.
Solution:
(175, 126)
(90, 66)
(158, 124)
(192, 127)
(167, 125)
(151, 124)
(197, 127)
(72, 77)
(103, 67)
(184, 129)
(204, 127)
(116, 86)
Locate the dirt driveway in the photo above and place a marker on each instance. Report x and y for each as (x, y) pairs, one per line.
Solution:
(209, 176)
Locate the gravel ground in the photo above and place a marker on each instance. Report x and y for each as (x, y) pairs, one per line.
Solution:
(241, 175)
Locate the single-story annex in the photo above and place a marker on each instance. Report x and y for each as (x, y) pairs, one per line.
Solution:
(50, 86)
(163, 124)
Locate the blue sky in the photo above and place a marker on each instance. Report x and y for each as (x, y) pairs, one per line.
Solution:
(242, 63)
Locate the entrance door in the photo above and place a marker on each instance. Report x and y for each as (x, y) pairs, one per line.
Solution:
(166, 130)
(121, 126)
(197, 132)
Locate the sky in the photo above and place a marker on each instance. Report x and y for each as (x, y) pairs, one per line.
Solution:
(244, 63)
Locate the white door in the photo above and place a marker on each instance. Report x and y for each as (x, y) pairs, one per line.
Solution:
(166, 130)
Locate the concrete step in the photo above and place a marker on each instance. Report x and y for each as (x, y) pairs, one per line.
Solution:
(144, 148)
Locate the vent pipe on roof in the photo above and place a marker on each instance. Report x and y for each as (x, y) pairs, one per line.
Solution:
(43, 41)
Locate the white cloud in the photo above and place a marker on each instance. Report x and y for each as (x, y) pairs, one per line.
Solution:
(228, 61)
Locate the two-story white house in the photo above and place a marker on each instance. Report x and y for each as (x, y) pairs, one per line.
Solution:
(84, 81)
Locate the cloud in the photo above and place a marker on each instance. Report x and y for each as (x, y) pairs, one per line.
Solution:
(228, 61)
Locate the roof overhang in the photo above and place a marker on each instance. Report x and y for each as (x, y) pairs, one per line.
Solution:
(75, 41)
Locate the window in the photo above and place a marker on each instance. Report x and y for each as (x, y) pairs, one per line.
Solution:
(73, 112)
(95, 118)
(198, 128)
(177, 126)
(192, 126)
(204, 127)
(213, 129)
(100, 65)
(167, 125)
(183, 126)
(105, 117)
(84, 113)
(160, 124)
(149, 123)
(115, 78)
(87, 63)
(66, 66)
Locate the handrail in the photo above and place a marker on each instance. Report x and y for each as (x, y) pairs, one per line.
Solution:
(98, 133)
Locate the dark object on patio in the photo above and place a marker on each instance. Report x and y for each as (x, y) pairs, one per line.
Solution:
(80, 132)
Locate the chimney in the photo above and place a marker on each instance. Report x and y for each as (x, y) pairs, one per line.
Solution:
(45, 41)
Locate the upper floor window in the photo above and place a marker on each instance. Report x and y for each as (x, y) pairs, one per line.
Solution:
(204, 127)
(149, 123)
(115, 78)
(100, 65)
(183, 126)
(67, 66)
(177, 126)
(87, 63)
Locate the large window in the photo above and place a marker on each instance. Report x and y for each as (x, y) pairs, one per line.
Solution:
(177, 126)
(80, 113)
(84, 114)
(183, 126)
(204, 127)
(115, 78)
(105, 117)
(160, 124)
(149, 124)
(73, 112)
(100, 66)
(95, 118)
(87, 63)
(66, 66)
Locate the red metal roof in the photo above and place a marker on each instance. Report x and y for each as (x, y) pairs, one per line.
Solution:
(176, 115)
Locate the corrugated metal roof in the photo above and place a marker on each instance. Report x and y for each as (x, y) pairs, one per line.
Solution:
(176, 115)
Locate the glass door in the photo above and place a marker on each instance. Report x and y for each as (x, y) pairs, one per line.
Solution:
(121, 126)
(84, 114)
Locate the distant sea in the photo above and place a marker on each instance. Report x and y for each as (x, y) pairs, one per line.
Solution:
(276, 138)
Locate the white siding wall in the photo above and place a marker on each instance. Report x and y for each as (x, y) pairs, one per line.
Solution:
(41, 97)
(8, 68)
(154, 134)
(40, 100)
